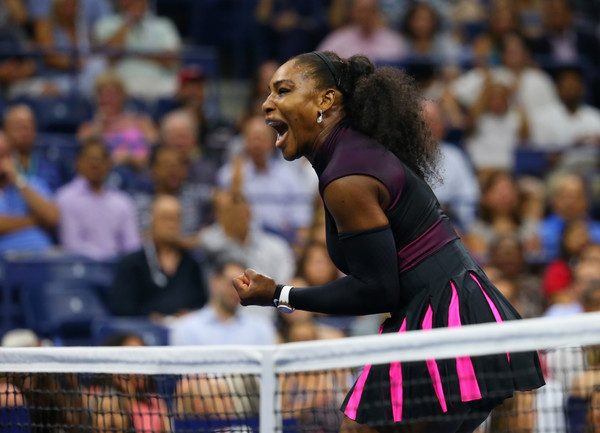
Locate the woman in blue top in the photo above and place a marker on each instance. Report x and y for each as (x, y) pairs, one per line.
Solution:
(363, 132)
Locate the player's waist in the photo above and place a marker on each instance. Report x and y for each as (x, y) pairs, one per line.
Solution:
(431, 241)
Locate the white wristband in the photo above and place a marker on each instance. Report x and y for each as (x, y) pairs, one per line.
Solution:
(284, 300)
(284, 296)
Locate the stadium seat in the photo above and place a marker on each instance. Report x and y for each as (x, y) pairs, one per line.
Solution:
(138, 105)
(192, 425)
(249, 424)
(151, 333)
(20, 272)
(58, 114)
(530, 161)
(162, 107)
(62, 150)
(15, 419)
(62, 309)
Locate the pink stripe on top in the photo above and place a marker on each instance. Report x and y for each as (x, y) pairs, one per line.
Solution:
(469, 388)
(493, 307)
(396, 384)
(354, 400)
(434, 372)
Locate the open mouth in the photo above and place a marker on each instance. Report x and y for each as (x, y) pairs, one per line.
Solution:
(281, 128)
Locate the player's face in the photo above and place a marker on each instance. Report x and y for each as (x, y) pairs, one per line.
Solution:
(291, 109)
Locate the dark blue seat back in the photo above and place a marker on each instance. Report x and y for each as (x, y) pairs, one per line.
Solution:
(151, 333)
(193, 425)
(61, 114)
(62, 308)
(15, 419)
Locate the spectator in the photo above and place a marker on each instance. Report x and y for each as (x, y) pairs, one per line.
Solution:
(260, 86)
(499, 214)
(11, 399)
(508, 256)
(132, 340)
(151, 42)
(207, 397)
(21, 132)
(179, 130)
(570, 122)
(281, 200)
(487, 47)
(222, 320)
(108, 404)
(426, 40)
(26, 209)
(14, 65)
(558, 273)
(532, 411)
(95, 221)
(162, 278)
(582, 405)
(233, 235)
(568, 202)
(495, 128)
(89, 12)
(129, 136)
(289, 27)
(529, 87)
(53, 399)
(21, 337)
(315, 267)
(312, 398)
(562, 42)
(586, 272)
(148, 410)
(63, 34)
(193, 95)
(169, 172)
(458, 192)
(366, 34)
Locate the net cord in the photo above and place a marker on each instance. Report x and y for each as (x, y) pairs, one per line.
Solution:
(485, 339)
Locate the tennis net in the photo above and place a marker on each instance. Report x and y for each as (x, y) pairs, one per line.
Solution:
(296, 387)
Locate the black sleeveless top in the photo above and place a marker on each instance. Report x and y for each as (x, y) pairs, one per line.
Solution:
(419, 225)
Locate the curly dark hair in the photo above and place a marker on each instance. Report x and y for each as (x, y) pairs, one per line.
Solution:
(383, 103)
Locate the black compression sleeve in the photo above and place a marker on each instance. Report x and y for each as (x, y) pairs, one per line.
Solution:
(372, 285)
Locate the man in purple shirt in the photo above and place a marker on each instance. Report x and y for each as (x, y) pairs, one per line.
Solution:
(95, 221)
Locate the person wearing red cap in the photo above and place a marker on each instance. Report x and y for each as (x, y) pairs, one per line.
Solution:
(193, 96)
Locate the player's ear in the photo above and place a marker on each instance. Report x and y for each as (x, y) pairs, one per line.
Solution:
(327, 98)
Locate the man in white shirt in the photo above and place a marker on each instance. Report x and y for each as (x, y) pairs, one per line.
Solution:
(222, 321)
(530, 87)
(569, 122)
(154, 43)
(280, 198)
(235, 236)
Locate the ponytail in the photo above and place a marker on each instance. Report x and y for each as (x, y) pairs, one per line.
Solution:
(382, 103)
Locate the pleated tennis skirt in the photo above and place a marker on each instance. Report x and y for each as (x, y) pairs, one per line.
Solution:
(447, 289)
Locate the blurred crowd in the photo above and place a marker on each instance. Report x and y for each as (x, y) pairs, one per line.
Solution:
(176, 193)
(153, 176)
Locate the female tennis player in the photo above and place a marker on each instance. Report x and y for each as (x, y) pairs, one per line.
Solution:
(363, 131)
